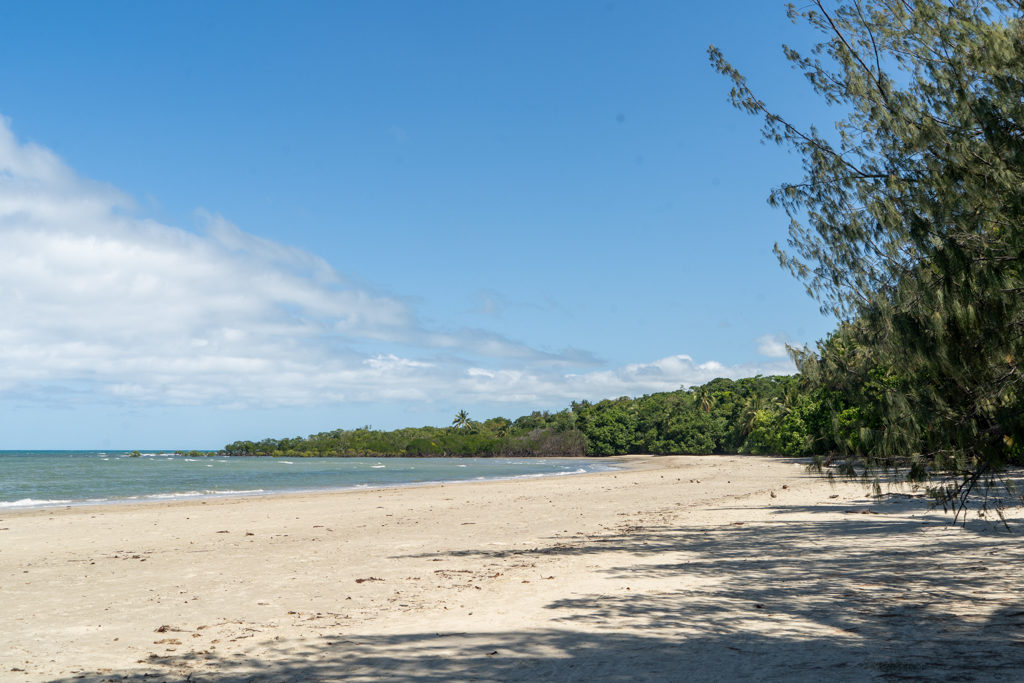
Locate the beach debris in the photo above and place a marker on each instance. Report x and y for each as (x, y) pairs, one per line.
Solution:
(785, 486)
(369, 578)
(224, 531)
(491, 654)
(165, 628)
(772, 493)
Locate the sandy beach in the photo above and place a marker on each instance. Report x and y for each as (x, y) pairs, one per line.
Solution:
(676, 568)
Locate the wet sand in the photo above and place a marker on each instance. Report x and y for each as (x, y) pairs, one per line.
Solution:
(678, 568)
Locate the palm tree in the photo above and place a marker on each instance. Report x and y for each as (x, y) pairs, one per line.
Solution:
(705, 400)
(461, 419)
(748, 416)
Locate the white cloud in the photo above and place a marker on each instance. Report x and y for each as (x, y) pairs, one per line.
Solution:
(665, 374)
(773, 345)
(97, 304)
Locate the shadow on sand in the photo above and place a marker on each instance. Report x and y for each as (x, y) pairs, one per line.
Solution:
(828, 597)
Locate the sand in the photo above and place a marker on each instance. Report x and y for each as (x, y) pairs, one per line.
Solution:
(677, 568)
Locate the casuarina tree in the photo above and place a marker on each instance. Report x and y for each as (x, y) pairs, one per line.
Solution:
(908, 226)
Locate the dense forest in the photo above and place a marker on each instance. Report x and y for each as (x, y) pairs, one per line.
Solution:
(754, 415)
(782, 415)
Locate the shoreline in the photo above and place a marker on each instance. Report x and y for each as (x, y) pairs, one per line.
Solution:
(30, 504)
(722, 567)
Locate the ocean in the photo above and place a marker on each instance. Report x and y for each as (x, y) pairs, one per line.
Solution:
(34, 479)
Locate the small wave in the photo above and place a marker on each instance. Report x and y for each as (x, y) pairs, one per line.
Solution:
(286, 462)
(30, 502)
(539, 475)
(378, 467)
(198, 494)
(165, 496)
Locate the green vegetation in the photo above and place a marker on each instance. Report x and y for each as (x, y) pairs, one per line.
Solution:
(754, 415)
(907, 227)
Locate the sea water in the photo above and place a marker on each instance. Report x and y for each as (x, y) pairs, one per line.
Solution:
(30, 479)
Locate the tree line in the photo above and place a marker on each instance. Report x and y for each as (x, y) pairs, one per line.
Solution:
(790, 415)
(753, 415)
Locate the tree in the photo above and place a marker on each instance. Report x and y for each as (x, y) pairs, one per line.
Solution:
(907, 227)
(461, 420)
(705, 398)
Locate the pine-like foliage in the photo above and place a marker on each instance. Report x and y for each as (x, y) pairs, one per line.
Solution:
(908, 226)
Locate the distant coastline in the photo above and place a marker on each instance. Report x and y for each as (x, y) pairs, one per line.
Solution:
(754, 415)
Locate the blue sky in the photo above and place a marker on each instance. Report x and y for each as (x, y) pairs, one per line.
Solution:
(236, 220)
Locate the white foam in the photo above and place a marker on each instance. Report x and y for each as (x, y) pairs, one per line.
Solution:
(164, 496)
(198, 494)
(30, 502)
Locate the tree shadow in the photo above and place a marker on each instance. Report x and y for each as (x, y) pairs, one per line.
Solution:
(838, 597)
(546, 655)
